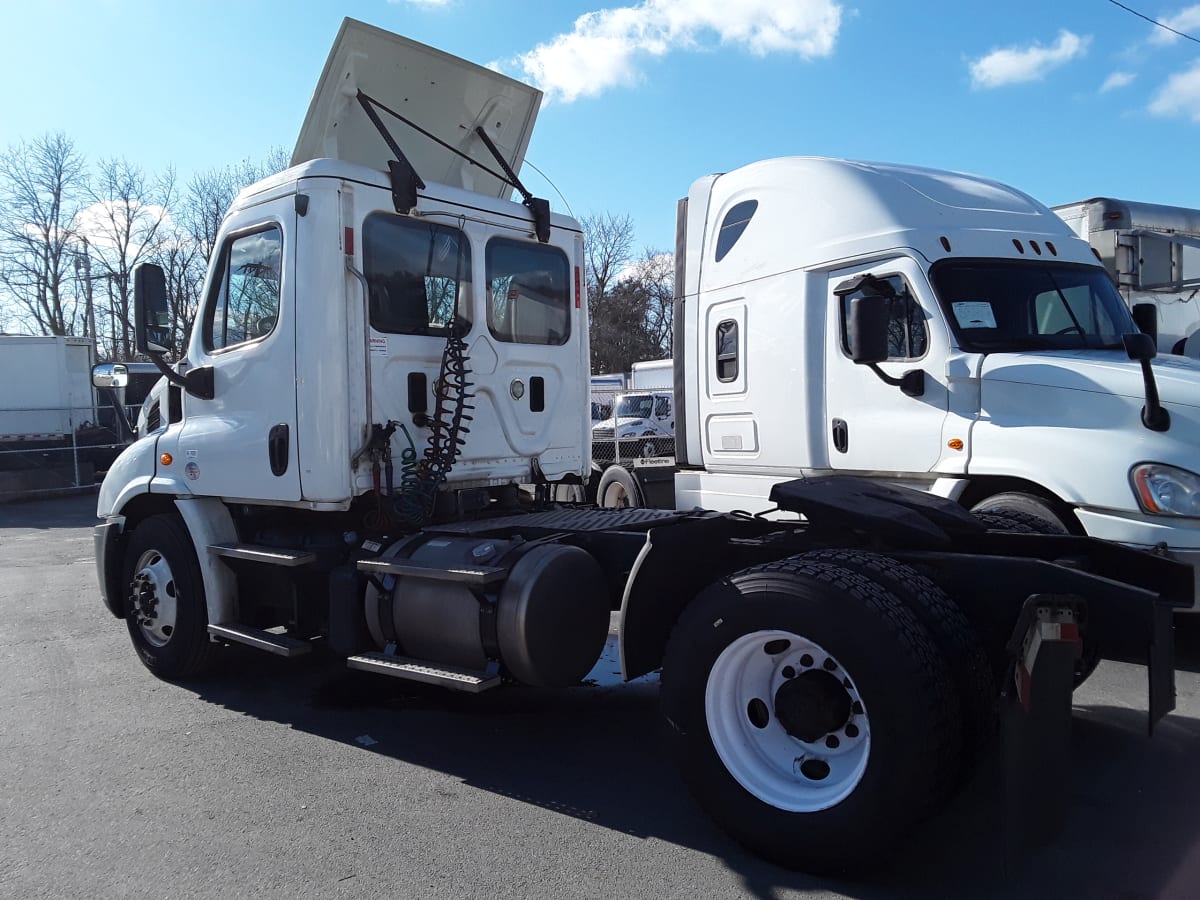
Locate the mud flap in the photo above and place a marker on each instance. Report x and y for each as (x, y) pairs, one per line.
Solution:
(1036, 721)
(1160, 666)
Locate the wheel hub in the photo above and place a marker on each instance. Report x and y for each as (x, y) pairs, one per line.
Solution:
(152, 598)
(144, 606)
(787, 720)
(812, 705)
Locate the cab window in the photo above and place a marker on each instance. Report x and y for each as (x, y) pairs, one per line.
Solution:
(418, 274)
(246, 304)
(529, 297)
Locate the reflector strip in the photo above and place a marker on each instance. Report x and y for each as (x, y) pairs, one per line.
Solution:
(578, 293)
(348, 241)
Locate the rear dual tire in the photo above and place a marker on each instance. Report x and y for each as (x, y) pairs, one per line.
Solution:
(810, 712)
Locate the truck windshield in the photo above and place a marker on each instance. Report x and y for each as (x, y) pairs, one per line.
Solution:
(635, 406)
(998, 305)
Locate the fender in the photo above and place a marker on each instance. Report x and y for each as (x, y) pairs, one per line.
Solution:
(208, 522)
(130, 474)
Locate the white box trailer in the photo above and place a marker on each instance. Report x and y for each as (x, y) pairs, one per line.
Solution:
(652, 375)
(47, 392)
(1152, 253)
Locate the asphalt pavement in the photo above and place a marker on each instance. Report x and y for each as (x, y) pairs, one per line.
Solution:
(301, 779)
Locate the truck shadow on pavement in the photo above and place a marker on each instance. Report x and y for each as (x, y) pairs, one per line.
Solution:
(593, 753)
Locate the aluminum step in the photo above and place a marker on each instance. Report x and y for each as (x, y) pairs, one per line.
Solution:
(279, 644)
(471, 681)
(478, 576)
(274, 556)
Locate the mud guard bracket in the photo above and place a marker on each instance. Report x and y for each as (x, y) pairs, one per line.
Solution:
(1036, 720)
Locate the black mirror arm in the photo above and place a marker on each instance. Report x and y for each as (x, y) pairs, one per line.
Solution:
(197, 382)
(1141, 347)
(911, 383)
(1154, 414)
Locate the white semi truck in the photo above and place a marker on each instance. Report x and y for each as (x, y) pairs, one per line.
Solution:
(1152, 253)
(383, 391)
(1001, 377)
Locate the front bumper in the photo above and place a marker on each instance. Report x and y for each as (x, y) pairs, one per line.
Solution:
(1175, 538)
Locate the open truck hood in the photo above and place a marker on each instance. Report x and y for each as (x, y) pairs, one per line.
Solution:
(444, 95)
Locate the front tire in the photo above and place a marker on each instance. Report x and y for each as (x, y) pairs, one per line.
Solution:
(1026, 508)
(165, 603)
(618, 490)
(810, 713)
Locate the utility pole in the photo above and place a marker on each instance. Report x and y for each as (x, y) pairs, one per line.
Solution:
(84, 262)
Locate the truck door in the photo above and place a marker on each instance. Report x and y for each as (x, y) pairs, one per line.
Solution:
(242, 443)
(872, 426)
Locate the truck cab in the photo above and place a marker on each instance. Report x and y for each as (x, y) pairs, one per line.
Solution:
(1004, 379)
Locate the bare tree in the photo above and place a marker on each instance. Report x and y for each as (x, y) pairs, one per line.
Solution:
(210, 194)
(654, 274)
(125, 225)
(608, 245)
(41, 184)
(608, 242)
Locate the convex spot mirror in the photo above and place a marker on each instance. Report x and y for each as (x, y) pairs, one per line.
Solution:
(110, 375)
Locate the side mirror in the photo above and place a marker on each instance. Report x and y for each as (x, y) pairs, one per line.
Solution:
(152, 330)
(1140, 346)
(867, 329)
(151, 315)
(110, 375)
(1145, 316)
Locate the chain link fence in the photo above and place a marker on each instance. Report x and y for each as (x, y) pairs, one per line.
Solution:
(633, 423)
(48, 451)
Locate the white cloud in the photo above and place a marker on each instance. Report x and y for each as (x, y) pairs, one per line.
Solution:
(1117, 80)
(103, 220)
(1186, 20)
(606, 47)
(1180, 96)
(1013, 65)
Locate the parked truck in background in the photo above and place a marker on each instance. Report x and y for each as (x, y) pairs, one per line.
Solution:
(382, 394)
(1001, 376)
(49, 419)
(638, 432)
(1152, 253)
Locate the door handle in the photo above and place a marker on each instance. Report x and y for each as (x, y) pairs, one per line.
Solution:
(277, 448)
(841, 435)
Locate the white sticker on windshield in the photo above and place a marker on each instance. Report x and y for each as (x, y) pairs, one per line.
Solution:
(974, 314)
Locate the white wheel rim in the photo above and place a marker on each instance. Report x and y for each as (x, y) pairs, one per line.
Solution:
(153, 580)
(782, 770)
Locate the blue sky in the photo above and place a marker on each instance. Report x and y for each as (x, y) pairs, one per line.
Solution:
(1066, 100)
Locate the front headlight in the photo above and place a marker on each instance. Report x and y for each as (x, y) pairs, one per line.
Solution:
(1165, 490)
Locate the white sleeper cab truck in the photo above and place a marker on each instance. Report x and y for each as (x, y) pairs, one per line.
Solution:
(928, 329)
(382, 392)
(1152, 253)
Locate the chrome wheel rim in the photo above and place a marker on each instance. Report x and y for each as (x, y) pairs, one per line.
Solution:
(154, 602)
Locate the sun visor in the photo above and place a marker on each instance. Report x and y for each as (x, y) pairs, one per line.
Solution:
(444, 95)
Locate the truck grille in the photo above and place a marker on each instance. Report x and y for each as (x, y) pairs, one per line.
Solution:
(602, 434)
